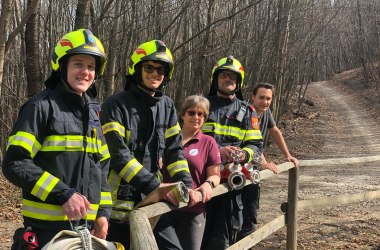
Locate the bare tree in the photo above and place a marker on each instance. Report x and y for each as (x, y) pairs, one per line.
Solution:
(32, 52)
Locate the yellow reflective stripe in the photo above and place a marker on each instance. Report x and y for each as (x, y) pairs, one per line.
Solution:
(44, 185)
(114, 126)
(177, 167)
(25, 140)
(63, 143)
(113, 181)
(253, 134)
(224, 130)
(121, 209)
(127, 136)
(130, 170)
(105, 198)
(172, 131)
(105, 152)
(49, 212)
(250, 153)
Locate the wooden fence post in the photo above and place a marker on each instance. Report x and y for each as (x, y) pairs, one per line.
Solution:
(141, 231)
(291, 215)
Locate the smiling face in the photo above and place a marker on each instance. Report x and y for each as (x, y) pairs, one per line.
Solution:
(227, 81)
(193, 119)
(262, 100)
(81, 72)
(152, 74)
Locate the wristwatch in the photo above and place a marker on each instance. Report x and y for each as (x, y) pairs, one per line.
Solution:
(211, 183)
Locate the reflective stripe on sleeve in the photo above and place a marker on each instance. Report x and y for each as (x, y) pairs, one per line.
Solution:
(130, 170)
(44, 185)
(252, 134)
(26, 140)
(114, 126)
(177, 166)
(172, 131)
(250, 153)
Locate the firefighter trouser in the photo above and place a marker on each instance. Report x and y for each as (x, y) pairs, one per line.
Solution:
(119, 233)
(180, 230)
(250, 199)
(224, 219)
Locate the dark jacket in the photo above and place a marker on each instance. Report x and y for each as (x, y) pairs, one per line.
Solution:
(223, 125)
(57, 148)
(143, 135)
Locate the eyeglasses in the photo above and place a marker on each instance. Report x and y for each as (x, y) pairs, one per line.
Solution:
(150, 69)
(225, 74)
(193, 113)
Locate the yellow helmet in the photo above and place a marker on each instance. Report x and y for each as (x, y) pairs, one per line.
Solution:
(81, 41)
(154, 50)
(229, 63)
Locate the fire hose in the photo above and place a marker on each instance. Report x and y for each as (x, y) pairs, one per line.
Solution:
(236, 173)
(79, 239)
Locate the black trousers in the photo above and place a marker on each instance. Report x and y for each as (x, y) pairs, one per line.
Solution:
(250, 199)
(223, 221)
(119, 233)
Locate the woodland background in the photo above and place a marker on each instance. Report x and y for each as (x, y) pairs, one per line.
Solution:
(289, 43)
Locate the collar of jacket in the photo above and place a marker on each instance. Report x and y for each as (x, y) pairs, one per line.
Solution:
(71, 97)
(222, 100)
(146, 98)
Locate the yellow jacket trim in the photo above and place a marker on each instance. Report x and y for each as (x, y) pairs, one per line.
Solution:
(253, 134)
(49, 212)
(105, 198)
(250, 153)
(172, 131)
(178, 166)
(25, 140)
(114, 126)
(130, 170)
(223, 130)
(44, 185)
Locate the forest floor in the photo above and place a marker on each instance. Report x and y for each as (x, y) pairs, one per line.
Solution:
(342, 122)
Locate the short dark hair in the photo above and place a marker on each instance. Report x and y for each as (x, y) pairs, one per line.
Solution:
(263, 85)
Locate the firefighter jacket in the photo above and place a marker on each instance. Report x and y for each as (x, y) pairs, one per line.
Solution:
(57, 148)
(143, 135)
(229, 122)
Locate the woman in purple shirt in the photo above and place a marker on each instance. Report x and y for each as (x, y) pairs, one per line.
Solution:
(202, 154)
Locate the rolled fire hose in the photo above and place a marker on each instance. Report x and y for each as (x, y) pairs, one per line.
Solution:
(80, 240)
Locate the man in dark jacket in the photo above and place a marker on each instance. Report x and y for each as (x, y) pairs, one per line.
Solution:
(141, 128)
(230, 124)
(56, 152)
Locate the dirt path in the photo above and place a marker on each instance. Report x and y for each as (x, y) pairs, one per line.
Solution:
(343, 127)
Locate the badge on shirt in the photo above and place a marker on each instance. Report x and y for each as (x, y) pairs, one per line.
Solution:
(193, 152)
(255, 123)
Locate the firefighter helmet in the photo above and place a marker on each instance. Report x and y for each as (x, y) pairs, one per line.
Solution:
(81, 41)
(154, 50)
(229, 63)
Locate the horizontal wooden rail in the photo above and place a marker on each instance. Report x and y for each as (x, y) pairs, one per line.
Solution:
(163, 207)
(339, 161)
(335, 200)
(260, 234)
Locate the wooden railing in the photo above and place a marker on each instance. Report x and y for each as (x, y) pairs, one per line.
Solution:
(141, 220)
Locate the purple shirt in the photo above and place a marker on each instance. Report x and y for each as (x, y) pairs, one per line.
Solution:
(201, 151)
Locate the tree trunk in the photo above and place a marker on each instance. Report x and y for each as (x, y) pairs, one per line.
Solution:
(82, 17)
(109, 83)
(6, 9)
(32, 63)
